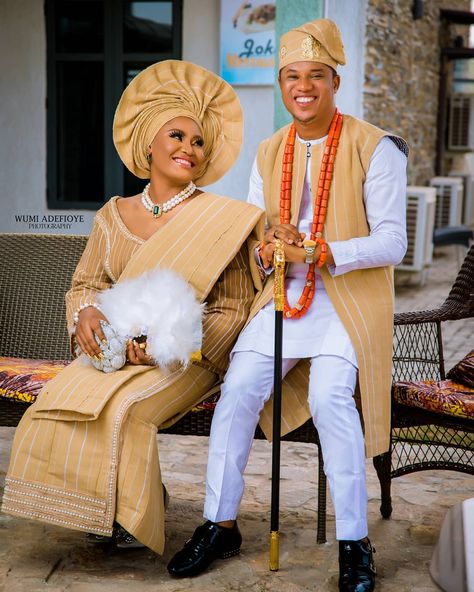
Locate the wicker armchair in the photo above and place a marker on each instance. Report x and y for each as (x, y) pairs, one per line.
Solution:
(422, 439)
(36, 272)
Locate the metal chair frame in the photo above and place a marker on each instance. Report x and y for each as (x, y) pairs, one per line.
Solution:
(420, 439)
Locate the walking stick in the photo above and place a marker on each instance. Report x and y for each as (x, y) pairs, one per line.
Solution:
(279, 265)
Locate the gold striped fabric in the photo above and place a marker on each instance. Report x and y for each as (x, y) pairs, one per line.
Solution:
(363, 299)
(85, 453)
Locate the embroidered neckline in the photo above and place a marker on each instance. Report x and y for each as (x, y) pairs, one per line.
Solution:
(123, 227)
(121, 224)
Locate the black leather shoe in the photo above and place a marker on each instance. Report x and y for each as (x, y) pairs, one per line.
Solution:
(99, 539)
(209, 542)
(356, 566)
(125, 540)
(120, 537)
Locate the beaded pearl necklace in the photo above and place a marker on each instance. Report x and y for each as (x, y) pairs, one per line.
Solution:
(320, 207)
(158, 209)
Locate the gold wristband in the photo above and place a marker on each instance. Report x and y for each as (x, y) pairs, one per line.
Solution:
(309, 246)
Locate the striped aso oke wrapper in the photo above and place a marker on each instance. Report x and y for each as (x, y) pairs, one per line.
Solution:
(85, 454)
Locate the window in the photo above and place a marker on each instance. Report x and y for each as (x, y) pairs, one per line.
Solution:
(95, 47)
(463, 76)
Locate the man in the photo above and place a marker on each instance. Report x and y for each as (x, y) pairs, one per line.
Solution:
(339, 183)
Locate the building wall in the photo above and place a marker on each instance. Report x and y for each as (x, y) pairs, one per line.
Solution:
(352, 26)
(23, 114)
(397, 89)
(201, 45)
(402, 76)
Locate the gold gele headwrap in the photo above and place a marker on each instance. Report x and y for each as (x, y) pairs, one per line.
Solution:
(174, 88)
(316, 41)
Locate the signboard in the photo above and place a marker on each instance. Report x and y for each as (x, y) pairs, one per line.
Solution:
(248, 42)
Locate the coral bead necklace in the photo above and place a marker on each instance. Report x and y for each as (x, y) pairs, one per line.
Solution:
(320, 207)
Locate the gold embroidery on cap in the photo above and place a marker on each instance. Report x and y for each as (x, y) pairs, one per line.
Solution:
(283, 51)
(310, 48)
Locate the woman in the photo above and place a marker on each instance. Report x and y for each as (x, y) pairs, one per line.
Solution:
(85, 454)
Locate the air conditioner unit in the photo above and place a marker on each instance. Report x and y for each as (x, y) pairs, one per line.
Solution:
(467, 217)
(461, 122)
(448, 201)
(421, 205)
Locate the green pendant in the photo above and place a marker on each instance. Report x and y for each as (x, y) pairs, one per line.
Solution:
(157, 211)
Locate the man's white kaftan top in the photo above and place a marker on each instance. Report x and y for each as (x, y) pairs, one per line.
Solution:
(320, 331)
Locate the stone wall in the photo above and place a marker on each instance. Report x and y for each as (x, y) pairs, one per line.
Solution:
(402, 75)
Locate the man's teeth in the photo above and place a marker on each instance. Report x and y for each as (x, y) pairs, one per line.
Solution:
(304, 99)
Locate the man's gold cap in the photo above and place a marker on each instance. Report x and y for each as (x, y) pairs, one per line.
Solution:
(316, 41)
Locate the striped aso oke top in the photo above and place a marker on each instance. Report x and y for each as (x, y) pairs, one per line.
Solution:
(85, 454)
(110, 247)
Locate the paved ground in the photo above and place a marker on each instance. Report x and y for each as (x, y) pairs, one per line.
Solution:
(35, 557)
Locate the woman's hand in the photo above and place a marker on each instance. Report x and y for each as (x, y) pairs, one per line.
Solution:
(136, 354)
(266, 255)
(87, 326)
(287, 233)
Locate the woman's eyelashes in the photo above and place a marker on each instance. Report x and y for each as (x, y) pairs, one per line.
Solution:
(179, 135)
(176, 134)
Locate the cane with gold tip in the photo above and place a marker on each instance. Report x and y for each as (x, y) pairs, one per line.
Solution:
(278, 297)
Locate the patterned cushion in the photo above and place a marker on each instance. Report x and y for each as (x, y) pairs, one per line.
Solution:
(444, 396)
(22, 379)
(463, 372)
(208, 404)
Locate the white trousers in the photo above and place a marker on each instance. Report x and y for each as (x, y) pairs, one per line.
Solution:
(247, 386)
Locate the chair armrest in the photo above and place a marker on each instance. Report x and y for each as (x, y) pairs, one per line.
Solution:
(417, 347)
(446, 312)
(418, 343)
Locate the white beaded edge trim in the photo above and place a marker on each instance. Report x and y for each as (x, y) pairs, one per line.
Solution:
(75, 316)
(62, 511)
(86, 498)
(48, 518)
(106, 232)
(123, 229)
(110, 502)
(46, 498)
(133, 397)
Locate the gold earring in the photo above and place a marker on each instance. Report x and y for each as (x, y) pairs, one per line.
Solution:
(148, 157)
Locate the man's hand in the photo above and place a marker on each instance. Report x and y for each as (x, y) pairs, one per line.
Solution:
(294, 254)
(293, 245)
(87, 326)
(287, 233)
